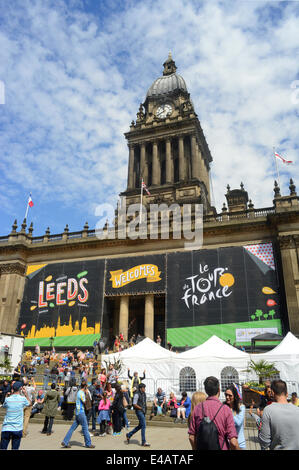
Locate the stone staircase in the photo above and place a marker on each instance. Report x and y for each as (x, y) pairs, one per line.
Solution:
(161, 421)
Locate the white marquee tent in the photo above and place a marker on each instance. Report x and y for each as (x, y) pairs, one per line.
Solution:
(285, 356)
(147, 355)
(214, 347)
(172, 371)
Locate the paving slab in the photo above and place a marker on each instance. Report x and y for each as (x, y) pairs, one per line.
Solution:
(159, 438)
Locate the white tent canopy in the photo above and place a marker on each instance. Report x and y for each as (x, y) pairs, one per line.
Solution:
(214, 347)
(149, 356)
(285, 356)
(288, 346)
(145, 350)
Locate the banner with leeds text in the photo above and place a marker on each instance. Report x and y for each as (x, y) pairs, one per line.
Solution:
(63, 301)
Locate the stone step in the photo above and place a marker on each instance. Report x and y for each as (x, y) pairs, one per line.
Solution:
(156, 421)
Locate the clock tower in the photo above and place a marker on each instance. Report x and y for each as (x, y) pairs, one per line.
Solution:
(167, 147)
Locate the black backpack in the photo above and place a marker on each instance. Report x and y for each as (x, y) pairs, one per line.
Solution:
(207, 437)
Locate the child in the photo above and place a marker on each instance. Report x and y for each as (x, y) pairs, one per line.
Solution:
(103, 378)
(104, 414)
(172, 405)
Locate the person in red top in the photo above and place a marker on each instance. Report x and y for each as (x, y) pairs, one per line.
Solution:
(228, 437)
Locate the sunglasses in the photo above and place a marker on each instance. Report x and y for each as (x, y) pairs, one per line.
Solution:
(229, 395)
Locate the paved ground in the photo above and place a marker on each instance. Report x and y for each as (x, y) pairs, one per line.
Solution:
(159, 438)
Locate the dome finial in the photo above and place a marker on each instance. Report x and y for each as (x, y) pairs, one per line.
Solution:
(169, 65)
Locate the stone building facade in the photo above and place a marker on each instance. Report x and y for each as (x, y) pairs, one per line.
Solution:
(169, 153)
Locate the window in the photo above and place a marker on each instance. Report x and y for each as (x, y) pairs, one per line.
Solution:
(229, 375)
(187, 380)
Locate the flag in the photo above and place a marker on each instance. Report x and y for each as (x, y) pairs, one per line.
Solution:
(238, 390)
(287, 162)
(30, 202)
(143, 185)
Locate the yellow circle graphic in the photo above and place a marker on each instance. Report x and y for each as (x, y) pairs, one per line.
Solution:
(227, 280)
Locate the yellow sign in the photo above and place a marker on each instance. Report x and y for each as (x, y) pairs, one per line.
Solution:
(148, 271)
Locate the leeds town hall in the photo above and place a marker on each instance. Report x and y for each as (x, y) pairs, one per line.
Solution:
(243, 280)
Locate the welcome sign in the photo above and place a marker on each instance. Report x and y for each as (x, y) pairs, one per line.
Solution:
(135, 275)
(149, 272)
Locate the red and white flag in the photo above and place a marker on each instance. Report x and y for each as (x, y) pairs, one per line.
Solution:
(30, 202)
(143, 185)
(286, 162)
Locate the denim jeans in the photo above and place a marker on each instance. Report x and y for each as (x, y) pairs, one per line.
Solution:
(125, 419)
(94, 416)
(142, 425)
(46, 381)
(80, 419)
(13, 436)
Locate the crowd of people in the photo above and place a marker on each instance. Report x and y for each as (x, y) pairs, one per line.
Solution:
(99, 398)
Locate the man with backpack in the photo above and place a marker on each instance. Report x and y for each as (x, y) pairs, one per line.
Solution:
(212, 425)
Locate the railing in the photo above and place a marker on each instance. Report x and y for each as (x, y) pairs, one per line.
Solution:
(210, 218)
(37, 240)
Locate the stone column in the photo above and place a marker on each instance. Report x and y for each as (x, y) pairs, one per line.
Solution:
(156, 176)
(182, 172)
(169, 165)
(289, 248)
(143, 164)
(149, 316)
(12, 281)
(131, 167)
(203, 171)
(194, 157)
(124, 316)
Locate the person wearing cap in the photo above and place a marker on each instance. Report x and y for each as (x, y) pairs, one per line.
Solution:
(139, 404)
(12, 428)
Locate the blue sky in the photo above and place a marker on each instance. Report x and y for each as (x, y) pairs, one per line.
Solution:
(75, 73)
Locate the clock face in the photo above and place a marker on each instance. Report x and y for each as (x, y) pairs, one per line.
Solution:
(164, 110)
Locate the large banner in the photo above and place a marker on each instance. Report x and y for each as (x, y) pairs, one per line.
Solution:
(229, 292)
(135, 275)
(63, 301)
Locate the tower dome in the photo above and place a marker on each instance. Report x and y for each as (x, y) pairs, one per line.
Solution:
(169, 82)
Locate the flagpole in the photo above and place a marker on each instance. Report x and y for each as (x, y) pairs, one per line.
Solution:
(27, 208)
(278, 179)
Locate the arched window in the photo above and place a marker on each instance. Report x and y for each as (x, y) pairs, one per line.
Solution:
(187, 380)
(229, 375)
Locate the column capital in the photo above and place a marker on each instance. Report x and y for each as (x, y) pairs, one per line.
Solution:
(288, 241)
(12, 268)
